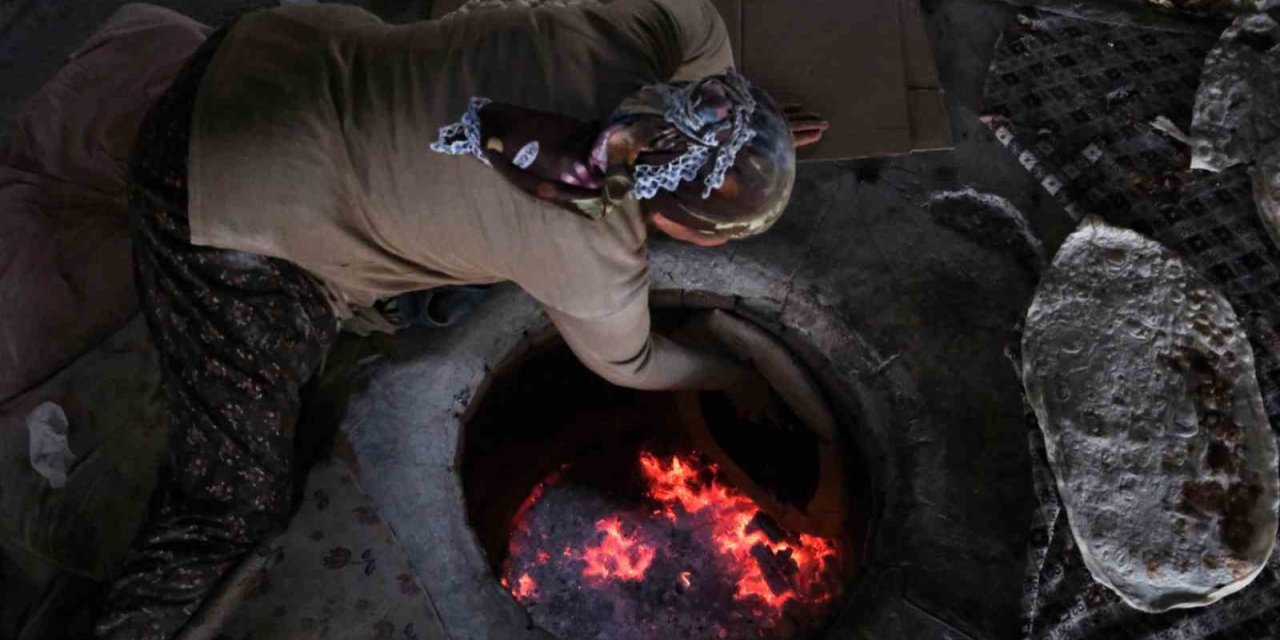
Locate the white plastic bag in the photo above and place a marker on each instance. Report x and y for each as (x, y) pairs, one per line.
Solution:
(51, 457)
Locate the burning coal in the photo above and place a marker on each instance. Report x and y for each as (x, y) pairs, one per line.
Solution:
(695, 558)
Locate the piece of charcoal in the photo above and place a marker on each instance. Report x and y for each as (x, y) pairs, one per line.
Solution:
(776, 567)
(764, 523)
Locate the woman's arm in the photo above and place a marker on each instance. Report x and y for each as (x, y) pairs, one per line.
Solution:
(705, 48)
(688, 38)
(621, 348)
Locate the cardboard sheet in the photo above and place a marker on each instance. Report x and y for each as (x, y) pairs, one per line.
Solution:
(865, 65)
(926, 101)
(850, 70)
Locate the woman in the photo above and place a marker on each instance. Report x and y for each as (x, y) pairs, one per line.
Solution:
(312, 158)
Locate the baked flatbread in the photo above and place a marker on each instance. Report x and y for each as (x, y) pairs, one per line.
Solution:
(1143, 382)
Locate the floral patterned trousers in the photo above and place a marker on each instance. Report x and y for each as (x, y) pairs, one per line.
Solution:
(239, 335)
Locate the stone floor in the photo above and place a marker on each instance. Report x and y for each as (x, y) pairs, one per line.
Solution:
(860, 240)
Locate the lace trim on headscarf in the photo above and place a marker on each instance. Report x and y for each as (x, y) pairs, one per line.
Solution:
(463, 137)
(682, 113)
(650, 178)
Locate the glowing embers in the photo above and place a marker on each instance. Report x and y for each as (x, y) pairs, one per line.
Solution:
(618, 556)
(693, 558)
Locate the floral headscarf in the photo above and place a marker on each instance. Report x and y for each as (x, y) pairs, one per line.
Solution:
(714, 155)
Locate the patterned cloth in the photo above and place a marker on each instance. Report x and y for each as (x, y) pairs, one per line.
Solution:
(1072, 101)
(238, 336)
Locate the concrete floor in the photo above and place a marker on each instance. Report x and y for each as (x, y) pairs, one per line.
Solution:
(858, 240)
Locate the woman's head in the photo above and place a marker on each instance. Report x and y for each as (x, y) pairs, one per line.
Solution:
(714, 157)
(709, 161)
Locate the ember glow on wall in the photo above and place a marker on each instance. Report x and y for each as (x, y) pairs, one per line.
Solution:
(690, 556)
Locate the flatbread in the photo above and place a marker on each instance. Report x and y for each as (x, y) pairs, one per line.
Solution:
(1266, 188)
(1235, 114)
(1143, 382)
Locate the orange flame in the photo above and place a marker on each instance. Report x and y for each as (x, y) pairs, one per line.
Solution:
(764, 570)
(526, 588)
(523, 509)
(677, 484)
(618, 555)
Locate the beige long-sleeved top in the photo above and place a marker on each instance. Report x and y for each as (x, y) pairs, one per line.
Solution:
(310, 143)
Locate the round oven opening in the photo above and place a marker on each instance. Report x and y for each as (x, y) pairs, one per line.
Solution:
(602, 512)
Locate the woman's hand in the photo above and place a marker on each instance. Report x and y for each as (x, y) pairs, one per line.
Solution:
(806, 127)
